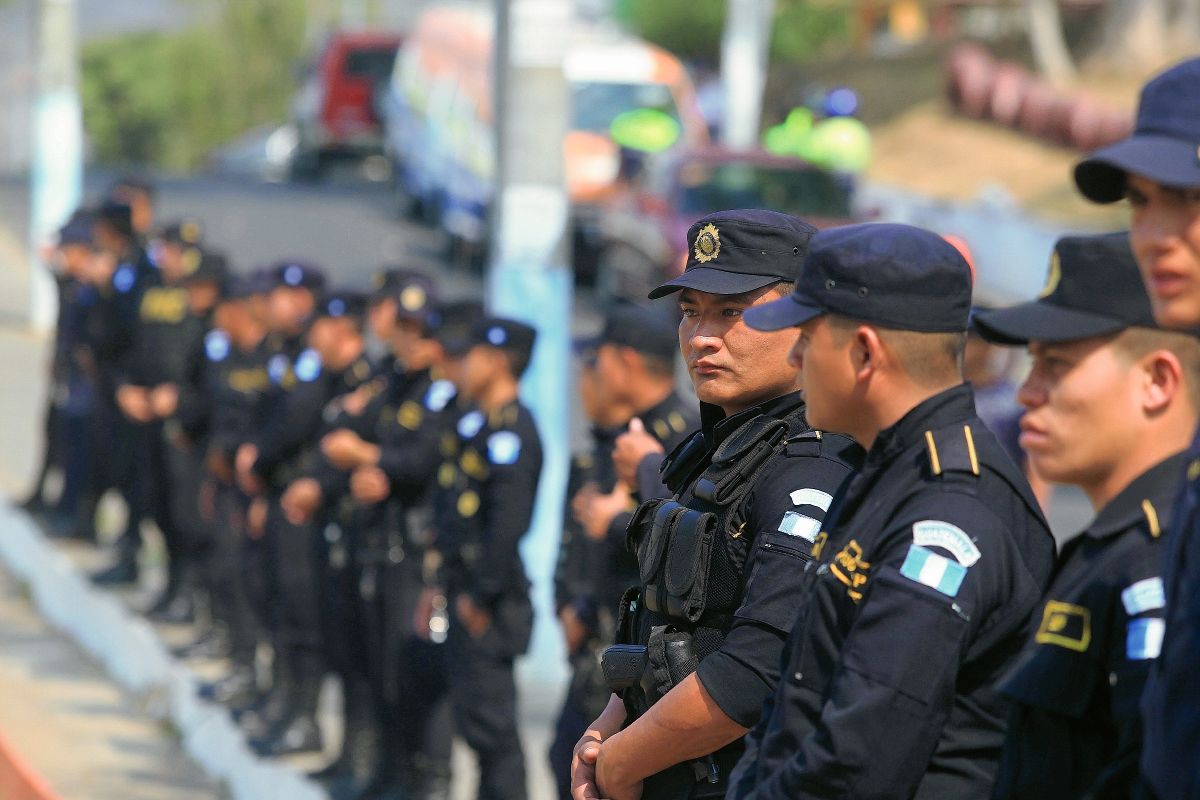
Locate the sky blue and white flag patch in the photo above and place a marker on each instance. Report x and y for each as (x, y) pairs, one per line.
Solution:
(801, 525)
(1145, 595)
(504, 447)
(1143, 638)
(308, 366)
(440, 393)
(937, 572)
(470, 424)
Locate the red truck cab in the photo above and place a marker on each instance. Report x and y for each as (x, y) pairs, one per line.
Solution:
(335, 111)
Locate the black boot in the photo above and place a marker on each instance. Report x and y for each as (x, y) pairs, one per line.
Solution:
(357, 768)
(298, 731)
(260, 719)
(125, 571)
(238, 689)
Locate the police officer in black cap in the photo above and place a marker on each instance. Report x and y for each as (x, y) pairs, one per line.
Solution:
(1110, 404)
(1158, 170)
(933, 555)
(721, 561)
(333, 364)
(238, 384)
(628, 374)
(483, 507)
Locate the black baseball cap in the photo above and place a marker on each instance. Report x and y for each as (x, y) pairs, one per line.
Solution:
(185, 232)
(645, 330)
(416, 296)
(1165, 145)
(118, 216)
(78, 230)
(452, 324)
(1093, 288)
(296, 275)
(732, 252)
(506, 333)
(211, 267)
(897, 276)
(342, 303)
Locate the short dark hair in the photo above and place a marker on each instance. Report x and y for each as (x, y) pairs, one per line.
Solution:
(927, 358)
(518, 360)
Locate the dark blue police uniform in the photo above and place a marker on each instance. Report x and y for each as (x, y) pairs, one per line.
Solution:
(1163, 148)
(1075, 729)
(924, 575)
(721, 561)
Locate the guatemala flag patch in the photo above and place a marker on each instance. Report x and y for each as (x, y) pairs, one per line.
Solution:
(1143, 638)
(937, 572)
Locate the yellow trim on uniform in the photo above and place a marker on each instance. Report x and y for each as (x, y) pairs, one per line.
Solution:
(933, 456)
(1152, 518)
(971, 449)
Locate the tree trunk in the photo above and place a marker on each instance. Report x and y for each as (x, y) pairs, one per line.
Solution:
(1134, 35)
(1046, 38)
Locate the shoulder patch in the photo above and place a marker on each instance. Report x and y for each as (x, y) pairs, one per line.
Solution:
(796, 524)
(935, 533)
(504, 447)
(1143, 638)
(308, 366)
(440, 393)
(812, 497)
(124, 278)
(277, 368)
(1066, 625)
(216, 345)
(1145, 595)
(470, 424)
(937, 572)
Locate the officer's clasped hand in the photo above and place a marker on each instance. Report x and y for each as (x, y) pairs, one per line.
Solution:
(631, 449)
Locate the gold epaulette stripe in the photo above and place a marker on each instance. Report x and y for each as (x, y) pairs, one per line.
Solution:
(971, 449)
(1152, 518)
(933, 456)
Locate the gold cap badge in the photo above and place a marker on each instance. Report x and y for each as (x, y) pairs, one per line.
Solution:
(1053, 277)
(708, 244)
(412, 298)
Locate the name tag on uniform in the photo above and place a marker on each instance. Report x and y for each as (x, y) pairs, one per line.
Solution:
(937, 572)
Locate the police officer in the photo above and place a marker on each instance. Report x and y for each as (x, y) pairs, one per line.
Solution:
(1110, 406)
(1157, 170)
(933, 556)
(72, 404)
(483, 507)
(720, 561)
(123, 271)
(628, 373)
(236, 374)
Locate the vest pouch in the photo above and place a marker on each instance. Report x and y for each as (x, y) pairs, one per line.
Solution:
(653, 520)
(686, 571)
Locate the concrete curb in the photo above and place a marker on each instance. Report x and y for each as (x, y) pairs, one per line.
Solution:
(136, 658)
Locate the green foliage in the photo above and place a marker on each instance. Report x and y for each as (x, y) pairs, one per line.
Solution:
(691, 29)
(168, 99)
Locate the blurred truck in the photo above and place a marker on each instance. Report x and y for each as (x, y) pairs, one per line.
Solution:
(645, 232)
(440, 127)
(334, 112)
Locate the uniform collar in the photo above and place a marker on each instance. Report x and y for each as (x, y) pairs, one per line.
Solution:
(956, 404)
(663, 408)
(1147, 499)
(716, 426)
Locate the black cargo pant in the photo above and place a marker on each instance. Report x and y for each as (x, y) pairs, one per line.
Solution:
(229, 566)
(291, 558)
(484, 694)
(149, 494)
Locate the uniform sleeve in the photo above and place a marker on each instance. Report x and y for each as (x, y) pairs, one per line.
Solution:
(291, 427)
(195, 393)
(743, 673)
(894, 685)
(650, 485)
(508, 497)
(1135, 639)
(413, 460)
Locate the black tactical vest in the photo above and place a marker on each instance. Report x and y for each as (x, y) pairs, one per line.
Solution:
(692, 551)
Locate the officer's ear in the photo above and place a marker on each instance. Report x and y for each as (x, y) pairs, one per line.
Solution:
(867, 352)
(1162, 380)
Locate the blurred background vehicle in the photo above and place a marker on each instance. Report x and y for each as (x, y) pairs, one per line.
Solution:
(644, 233)
(440, 128)
(334, 111)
